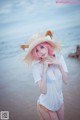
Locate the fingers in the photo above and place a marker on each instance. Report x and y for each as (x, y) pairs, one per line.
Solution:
(55, 63)
(48, 62)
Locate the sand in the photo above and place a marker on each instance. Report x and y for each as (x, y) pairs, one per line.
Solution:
(19, 94)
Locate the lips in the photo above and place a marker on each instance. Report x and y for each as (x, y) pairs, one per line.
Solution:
(43, 55)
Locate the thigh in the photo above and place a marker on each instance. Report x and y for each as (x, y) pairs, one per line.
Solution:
(53, 115)
(46, 114)
(60, 112)
(43, 113)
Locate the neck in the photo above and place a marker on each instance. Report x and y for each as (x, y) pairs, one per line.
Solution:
(47, 58)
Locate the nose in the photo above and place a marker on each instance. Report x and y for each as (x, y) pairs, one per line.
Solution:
(41, 51)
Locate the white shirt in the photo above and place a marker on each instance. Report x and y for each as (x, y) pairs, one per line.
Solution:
(53, 99)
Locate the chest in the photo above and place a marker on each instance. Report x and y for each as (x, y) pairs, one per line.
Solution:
(53, 73)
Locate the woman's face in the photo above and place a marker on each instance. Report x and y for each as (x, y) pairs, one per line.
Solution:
(42, 51)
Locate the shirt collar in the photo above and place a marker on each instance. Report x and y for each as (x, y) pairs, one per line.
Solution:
(35, 62)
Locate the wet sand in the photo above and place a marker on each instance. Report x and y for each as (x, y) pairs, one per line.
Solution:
(18, 92)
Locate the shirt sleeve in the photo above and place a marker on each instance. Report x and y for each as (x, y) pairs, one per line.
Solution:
(36, 73)
(64, 64)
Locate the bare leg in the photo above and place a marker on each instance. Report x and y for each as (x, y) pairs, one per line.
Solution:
(54, 116)
(60, 113)
(44, 115)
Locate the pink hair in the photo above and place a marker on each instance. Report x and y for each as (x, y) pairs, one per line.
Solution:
(44, 44)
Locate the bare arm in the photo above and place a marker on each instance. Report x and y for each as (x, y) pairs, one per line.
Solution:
(42, 83)
(64, 74)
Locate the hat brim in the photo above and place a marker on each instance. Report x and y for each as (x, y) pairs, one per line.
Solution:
(29, 58)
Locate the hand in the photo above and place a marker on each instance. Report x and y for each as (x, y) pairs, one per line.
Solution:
(54, 62)
(45, 65)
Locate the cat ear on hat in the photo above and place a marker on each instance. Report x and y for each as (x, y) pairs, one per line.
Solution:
(49, 33)
(24, 46)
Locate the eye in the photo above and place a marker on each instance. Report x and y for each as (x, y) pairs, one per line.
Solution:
(53, 55)
(36, 50)
(42, 47)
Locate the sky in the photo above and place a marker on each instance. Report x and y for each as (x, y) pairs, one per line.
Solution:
(19, 18)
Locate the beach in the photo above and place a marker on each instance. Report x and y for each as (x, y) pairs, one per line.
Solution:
(19, 93)
(19, 21)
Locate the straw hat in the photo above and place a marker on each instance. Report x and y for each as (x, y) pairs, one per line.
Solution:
(37, 39)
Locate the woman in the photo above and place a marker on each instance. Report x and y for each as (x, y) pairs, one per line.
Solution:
(49, 69)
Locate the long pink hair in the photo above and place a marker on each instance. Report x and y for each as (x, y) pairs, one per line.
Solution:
(44, 44)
